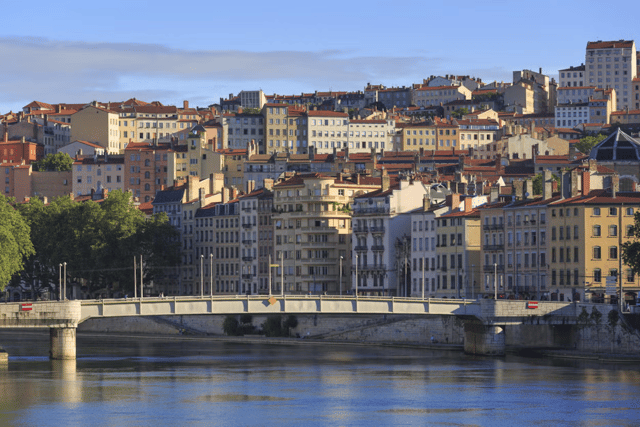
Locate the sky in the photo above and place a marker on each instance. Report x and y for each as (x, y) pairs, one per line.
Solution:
(77, 52)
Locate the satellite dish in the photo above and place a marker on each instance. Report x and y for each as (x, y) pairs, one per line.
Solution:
(526, 194)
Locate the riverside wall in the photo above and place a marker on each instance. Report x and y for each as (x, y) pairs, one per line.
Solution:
(394, 329)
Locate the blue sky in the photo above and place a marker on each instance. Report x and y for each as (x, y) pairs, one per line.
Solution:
(76, 52)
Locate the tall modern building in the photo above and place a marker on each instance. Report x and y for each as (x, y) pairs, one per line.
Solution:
(612, 65)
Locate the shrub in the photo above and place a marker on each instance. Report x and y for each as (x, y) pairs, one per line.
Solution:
(230, 326)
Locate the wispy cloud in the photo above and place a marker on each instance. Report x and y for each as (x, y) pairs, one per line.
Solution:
(71, 71)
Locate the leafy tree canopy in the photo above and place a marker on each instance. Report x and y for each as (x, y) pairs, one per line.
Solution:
(59, 162)
(15, 244)
(460, 112)
(538, 184)
(588, 142)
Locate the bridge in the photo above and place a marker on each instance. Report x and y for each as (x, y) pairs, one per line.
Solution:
(485, 318)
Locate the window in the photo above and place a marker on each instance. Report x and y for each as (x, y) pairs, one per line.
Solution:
(629, 211)
(613, 230)
(596, 231)
(596, 252)
(613, 252)
(596, 211)
(597, 275)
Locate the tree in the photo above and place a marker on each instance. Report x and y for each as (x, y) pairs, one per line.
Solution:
(98, 241)
(538, 185)
(631, 248)
(588, 142)
(60, 162)
(460, 112)
(15, 241)
(230, 326)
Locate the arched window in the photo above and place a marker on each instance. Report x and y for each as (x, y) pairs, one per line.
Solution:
(147, 187)
(596, 252)
(147, 162)
(147, 175)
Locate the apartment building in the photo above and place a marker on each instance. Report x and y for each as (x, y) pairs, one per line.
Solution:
(575, 94)
(257, 240)
(276, 118)
(312, 231)
(476, 132)
(587, 234)
(328, 130)
(95, 173)
(146, 169)
(99, 125)
(240, 128)
(613, 64)
(426, 96)
(572, 77)
(365, 135)
(378, 219)
(457, 248)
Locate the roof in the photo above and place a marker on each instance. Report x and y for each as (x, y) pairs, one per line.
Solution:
(169, 196)
(610, 44)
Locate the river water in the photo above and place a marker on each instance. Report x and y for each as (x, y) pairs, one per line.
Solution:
(175, 381)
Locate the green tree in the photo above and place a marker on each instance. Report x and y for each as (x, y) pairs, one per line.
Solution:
(15, 241)
(60, 162)
(272, 327)
(631, 248)
(460, 112)
(230, 326)
(588, 142)
(538, 184)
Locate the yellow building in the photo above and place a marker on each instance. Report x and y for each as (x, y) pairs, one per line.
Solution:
(312, 231)
(586, 236)
(457, 250)
(98, 125)
(276, 127)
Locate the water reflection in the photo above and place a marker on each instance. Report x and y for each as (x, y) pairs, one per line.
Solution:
(175, 380)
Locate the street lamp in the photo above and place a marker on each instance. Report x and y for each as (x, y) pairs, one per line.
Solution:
(282, 273)
(211, 273)
(201, 275)
(356, 275)
(495, 281)
(340, 278)
(423, 267)
(60, 282)
(64, 289)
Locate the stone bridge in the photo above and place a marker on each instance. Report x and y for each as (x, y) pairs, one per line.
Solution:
(485, 320)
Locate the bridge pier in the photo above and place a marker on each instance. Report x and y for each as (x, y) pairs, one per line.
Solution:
(484, 340)
(62, 343)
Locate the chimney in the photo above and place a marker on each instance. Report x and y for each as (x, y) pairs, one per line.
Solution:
(547, 186)
(426, 202)
(453, 201)
(234, 193)
(251, 185)
(58, 108)
(498, 162)
(240, 110)
(566, 185)
(615, 185)
(386, 181)
(495, 193)
(225, 195)
(593, 165)
(268, 184)
(518, 187)
(373, 154)
(575, 185)
(185, 104)
(586, 183)
(468, 202)
(201, 198)
(528, 188)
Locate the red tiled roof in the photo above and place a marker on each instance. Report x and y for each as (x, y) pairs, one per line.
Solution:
(609, 44)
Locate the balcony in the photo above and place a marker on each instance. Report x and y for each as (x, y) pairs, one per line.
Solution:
(318, 244)
(247, 258)
(377, 229)
(360, 248)
(247, 276)
(488, 227)
(361, 229)
(368, 267)
(246, 209)
(247, 225)
(493, 247)
(374, 211)
(377, 248)
(248, 241)
(490, 268)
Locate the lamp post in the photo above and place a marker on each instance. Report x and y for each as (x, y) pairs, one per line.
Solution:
(495, 281)
(211, 273)
(356, 275)
(201, 275)
(64, 288)
(423, 267)
(281, 273)
(473, 290)
(60, 282)
(340, 278)
(269, 274)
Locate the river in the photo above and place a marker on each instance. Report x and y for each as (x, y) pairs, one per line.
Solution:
(175, 381)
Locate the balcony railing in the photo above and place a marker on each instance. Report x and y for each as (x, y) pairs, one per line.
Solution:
(361, 229)
(369, 267)
(493, 247)
(248, 241)
(377, 229)
(247, 258)
(247, 276)
(373, 211)
(490, 268)
(360, 248)
(247, 225)
(377, 248)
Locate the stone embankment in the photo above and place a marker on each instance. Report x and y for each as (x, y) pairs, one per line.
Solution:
(596, 341)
